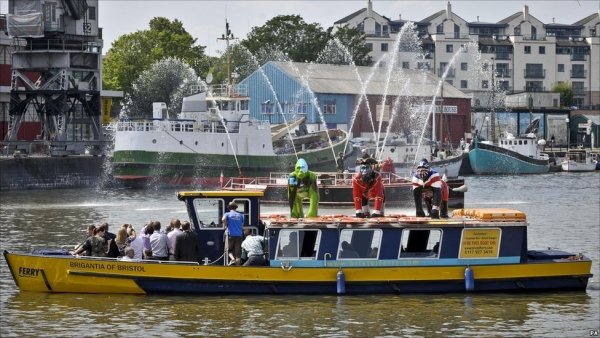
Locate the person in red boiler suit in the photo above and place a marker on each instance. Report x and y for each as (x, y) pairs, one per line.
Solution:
(367, 185)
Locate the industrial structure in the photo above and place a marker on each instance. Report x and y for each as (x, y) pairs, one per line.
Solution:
(55, 78)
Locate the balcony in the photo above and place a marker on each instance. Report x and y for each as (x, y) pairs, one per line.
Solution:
(578, 73)
(502, 56)
(578, 57)
(534, 73)
(579, 91)
(503, 73)
(534, 88)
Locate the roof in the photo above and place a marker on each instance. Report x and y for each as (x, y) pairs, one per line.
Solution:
(434, 15)
(347, 18)
(586, 19)
(511, 18)
(594, 118)
(343, 79)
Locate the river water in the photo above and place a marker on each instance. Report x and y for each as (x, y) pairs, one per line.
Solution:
(563, 210)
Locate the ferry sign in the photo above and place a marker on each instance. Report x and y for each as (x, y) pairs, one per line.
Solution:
(480, 243)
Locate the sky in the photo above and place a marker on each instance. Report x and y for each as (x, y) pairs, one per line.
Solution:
(205, 20)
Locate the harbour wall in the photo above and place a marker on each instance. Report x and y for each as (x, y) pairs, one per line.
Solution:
(45, 172)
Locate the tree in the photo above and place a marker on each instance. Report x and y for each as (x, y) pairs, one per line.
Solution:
(133, 53)
(289, 34)
(346, 46)
(566, 93)
(168, 80)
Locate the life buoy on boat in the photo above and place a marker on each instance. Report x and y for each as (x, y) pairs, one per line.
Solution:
(469, 279)
(340, 282)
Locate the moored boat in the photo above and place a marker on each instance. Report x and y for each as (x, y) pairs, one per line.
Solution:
(578, 160)
(475, 250)
(214, 135)
(513, 155)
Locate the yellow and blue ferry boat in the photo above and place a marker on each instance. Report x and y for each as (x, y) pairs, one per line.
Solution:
(474, 250)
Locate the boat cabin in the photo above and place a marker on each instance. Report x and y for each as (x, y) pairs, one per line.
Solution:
(470, 237)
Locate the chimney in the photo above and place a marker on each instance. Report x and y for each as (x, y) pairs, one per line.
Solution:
(553, 20)
(448, 10)
(369, 9)
(399, 16)
(526, 13)
(478, 18)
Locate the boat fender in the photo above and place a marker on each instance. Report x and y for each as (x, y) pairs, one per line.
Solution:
(341, 282)
(469, 279)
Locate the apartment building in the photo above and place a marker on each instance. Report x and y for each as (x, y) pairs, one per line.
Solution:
(526, 54)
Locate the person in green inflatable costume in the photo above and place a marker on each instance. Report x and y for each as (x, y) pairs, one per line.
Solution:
(303, 184)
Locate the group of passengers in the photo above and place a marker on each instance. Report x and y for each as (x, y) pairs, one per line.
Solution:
(175, 243)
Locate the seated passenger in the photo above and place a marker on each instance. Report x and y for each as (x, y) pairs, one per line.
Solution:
(129, 254)
(291, 249)
(348, 251)
(96, 244)
(426, 178)
(89, 233)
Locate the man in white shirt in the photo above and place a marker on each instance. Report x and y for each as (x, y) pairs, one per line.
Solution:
(176, 225)
(252, 248)
(159, 243)
(135, 242)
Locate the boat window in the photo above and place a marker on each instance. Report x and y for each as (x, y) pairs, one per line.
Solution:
(420, 243)
(209, 212)
(298, 244)
(359, 244)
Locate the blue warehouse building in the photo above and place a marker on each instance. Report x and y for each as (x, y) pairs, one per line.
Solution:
(328, 96)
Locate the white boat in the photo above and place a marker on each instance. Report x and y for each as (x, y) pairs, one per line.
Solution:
(214, 136)
(578, 160)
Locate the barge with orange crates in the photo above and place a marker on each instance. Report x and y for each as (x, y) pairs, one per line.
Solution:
(476, 250)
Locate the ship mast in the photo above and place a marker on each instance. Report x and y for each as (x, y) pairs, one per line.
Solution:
(493, 117)
(227, 37)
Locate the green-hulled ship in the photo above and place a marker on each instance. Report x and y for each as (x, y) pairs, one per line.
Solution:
(212, 137)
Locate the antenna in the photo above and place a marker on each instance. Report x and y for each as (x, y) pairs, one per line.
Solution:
(227, 37)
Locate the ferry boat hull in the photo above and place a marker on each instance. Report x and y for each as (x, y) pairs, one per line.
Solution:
(474, 250)
(60, 274)
(490, 159)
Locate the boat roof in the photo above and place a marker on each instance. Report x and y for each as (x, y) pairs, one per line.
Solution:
(220, 193)
(460, 217)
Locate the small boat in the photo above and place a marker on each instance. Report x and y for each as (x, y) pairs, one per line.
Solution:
(513, 155)
(477, 250)
(336, 188)
(578, 160)
(214, 135)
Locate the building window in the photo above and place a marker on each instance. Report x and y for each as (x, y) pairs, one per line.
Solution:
(450, 82)
(440, 28)
(370, 46)
(405, 65)
(302, 108)
(527, 49)
(463, 83)
(449, 48)
(542, 50)
(329, 107)
(384, 47)
(266, 108)
(561, 67)
(464, 66)
(92, 13)
(484, 84)
(423, 65)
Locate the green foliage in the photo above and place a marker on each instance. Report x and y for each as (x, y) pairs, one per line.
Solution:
(133, 53)
(346, 46)
(289, 34)
(566, 93)
(168, 80)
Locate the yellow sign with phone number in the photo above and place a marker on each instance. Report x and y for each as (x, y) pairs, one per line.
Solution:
(480, 243)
